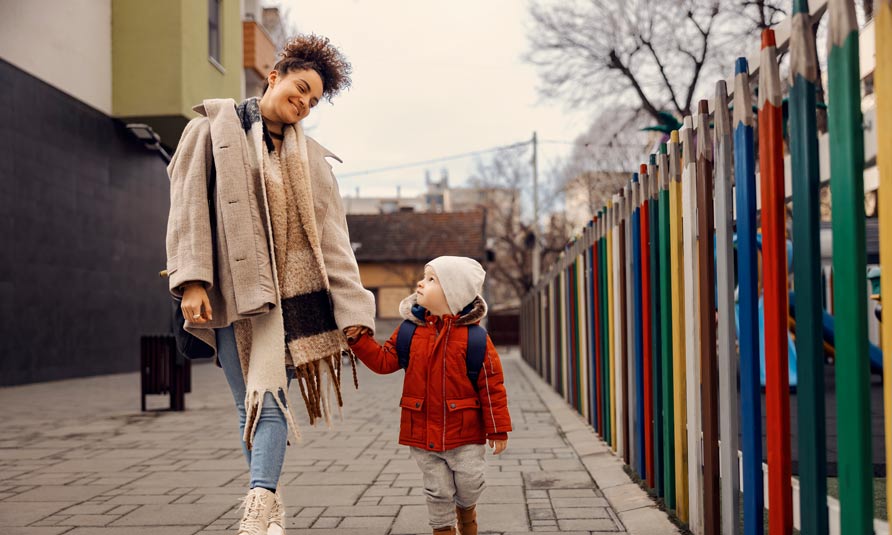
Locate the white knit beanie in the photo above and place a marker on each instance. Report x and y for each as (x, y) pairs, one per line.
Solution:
(461, 279)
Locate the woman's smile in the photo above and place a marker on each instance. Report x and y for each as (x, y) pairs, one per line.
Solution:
(290, 97)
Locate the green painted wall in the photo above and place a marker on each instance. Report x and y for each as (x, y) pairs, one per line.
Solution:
(201, 79)
(160, 65)
(146, 58)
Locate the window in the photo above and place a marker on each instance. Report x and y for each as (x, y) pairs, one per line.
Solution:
(214, 45)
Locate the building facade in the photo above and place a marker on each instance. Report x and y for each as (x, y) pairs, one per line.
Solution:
(392, 250)
(84, 204)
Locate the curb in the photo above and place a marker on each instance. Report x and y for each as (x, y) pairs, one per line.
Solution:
(639, 514)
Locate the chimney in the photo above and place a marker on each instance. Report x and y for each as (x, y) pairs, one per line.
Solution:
(397, 193)
(357, 192)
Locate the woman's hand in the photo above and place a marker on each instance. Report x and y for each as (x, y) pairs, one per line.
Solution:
(195, 305)
(354, 332)
(498, 446)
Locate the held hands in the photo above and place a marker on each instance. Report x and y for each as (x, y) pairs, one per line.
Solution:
(195, 305)
(354, 332)
(498, 446)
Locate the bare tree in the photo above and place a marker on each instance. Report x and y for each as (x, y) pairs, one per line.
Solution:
(655, 53)
(761, 13)
(505, 182)
(604, 156)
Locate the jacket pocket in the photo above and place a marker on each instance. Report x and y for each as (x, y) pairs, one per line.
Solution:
(465, 418)
(412, 422)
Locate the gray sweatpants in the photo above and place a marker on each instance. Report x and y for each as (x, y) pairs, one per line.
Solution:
(452, 477)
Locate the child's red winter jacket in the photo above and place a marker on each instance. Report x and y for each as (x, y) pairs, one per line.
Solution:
(440, 408)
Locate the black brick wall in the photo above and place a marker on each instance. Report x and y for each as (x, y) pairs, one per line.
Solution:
(83, 211)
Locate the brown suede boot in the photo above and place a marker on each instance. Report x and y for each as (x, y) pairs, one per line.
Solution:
(467, 520)
(445, 531)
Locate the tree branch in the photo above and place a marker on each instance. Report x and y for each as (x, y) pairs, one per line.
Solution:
(662, 69)
(699, 62)
(617, 63)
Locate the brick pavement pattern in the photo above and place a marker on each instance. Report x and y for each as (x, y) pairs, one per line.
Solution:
(78, 458)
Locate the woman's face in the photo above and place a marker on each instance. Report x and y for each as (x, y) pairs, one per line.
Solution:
(290, 97)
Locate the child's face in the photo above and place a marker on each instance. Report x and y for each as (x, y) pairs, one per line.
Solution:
(430, 293)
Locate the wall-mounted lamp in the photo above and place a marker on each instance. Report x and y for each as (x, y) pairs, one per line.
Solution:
(149, 138)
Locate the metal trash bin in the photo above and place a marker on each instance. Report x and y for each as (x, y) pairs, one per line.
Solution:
(164, 371)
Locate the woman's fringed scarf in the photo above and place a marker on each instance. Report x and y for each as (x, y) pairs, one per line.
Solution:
(303, 327)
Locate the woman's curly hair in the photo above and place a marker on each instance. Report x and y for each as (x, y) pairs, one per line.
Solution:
(315, 52)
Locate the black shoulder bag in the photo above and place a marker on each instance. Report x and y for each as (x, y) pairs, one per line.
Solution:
(189, 345)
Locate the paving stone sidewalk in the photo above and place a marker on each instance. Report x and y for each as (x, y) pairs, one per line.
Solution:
(78, 458)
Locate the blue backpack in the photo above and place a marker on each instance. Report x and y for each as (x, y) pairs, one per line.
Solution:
(476, 344)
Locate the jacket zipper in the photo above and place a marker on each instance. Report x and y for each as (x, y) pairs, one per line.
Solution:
(445, 346)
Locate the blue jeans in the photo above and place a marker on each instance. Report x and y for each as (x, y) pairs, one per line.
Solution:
(266, 457)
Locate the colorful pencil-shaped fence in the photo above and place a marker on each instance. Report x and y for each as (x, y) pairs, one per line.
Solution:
(807, 272)
(747, 303)
(631, 326)
(774, 268)
(665, 317)
(883, 85)
(611, 349)
(706, 299)
(645, 314)
(605, 334)
(727, 338)
(638, 323)
(622, 406)
(653, 238)
(692, 326)
(849, 268)
(651, 314)
(678, 320)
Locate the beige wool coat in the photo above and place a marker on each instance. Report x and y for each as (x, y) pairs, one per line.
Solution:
(235, 265)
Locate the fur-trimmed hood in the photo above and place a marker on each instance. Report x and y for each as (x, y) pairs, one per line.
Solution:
(473, 313)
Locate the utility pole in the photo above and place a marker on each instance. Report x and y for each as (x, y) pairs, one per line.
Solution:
(536, 231)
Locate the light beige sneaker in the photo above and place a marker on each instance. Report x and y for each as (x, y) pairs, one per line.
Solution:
(277, 517)
(258, 504)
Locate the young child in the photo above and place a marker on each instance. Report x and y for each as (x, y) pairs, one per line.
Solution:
(446, 419)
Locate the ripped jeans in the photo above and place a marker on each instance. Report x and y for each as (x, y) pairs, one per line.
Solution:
(266, 457)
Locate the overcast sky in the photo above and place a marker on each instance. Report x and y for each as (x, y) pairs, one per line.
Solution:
(430, 79)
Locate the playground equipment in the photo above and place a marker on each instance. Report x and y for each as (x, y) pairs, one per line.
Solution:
(828, 332)
(636, 324)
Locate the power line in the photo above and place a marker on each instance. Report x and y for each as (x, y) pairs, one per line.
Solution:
(434, 160)
(478, 153)
(587, 145)
(558, 142)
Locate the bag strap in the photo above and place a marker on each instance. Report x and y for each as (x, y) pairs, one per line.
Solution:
(476, 352)
(404, 342)
(212, 208)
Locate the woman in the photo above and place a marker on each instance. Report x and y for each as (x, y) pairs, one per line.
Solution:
(265, 268)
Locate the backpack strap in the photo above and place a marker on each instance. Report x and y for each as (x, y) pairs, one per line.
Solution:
(474, 358)
(404, 342)
(476, 352)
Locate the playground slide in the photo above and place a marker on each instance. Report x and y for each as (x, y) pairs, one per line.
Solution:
(875, 353)
(791, 346)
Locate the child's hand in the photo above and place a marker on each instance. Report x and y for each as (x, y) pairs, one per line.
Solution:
(354, 332)
(498, 446)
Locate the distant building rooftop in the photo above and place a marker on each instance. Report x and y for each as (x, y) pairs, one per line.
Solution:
(417, 237)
